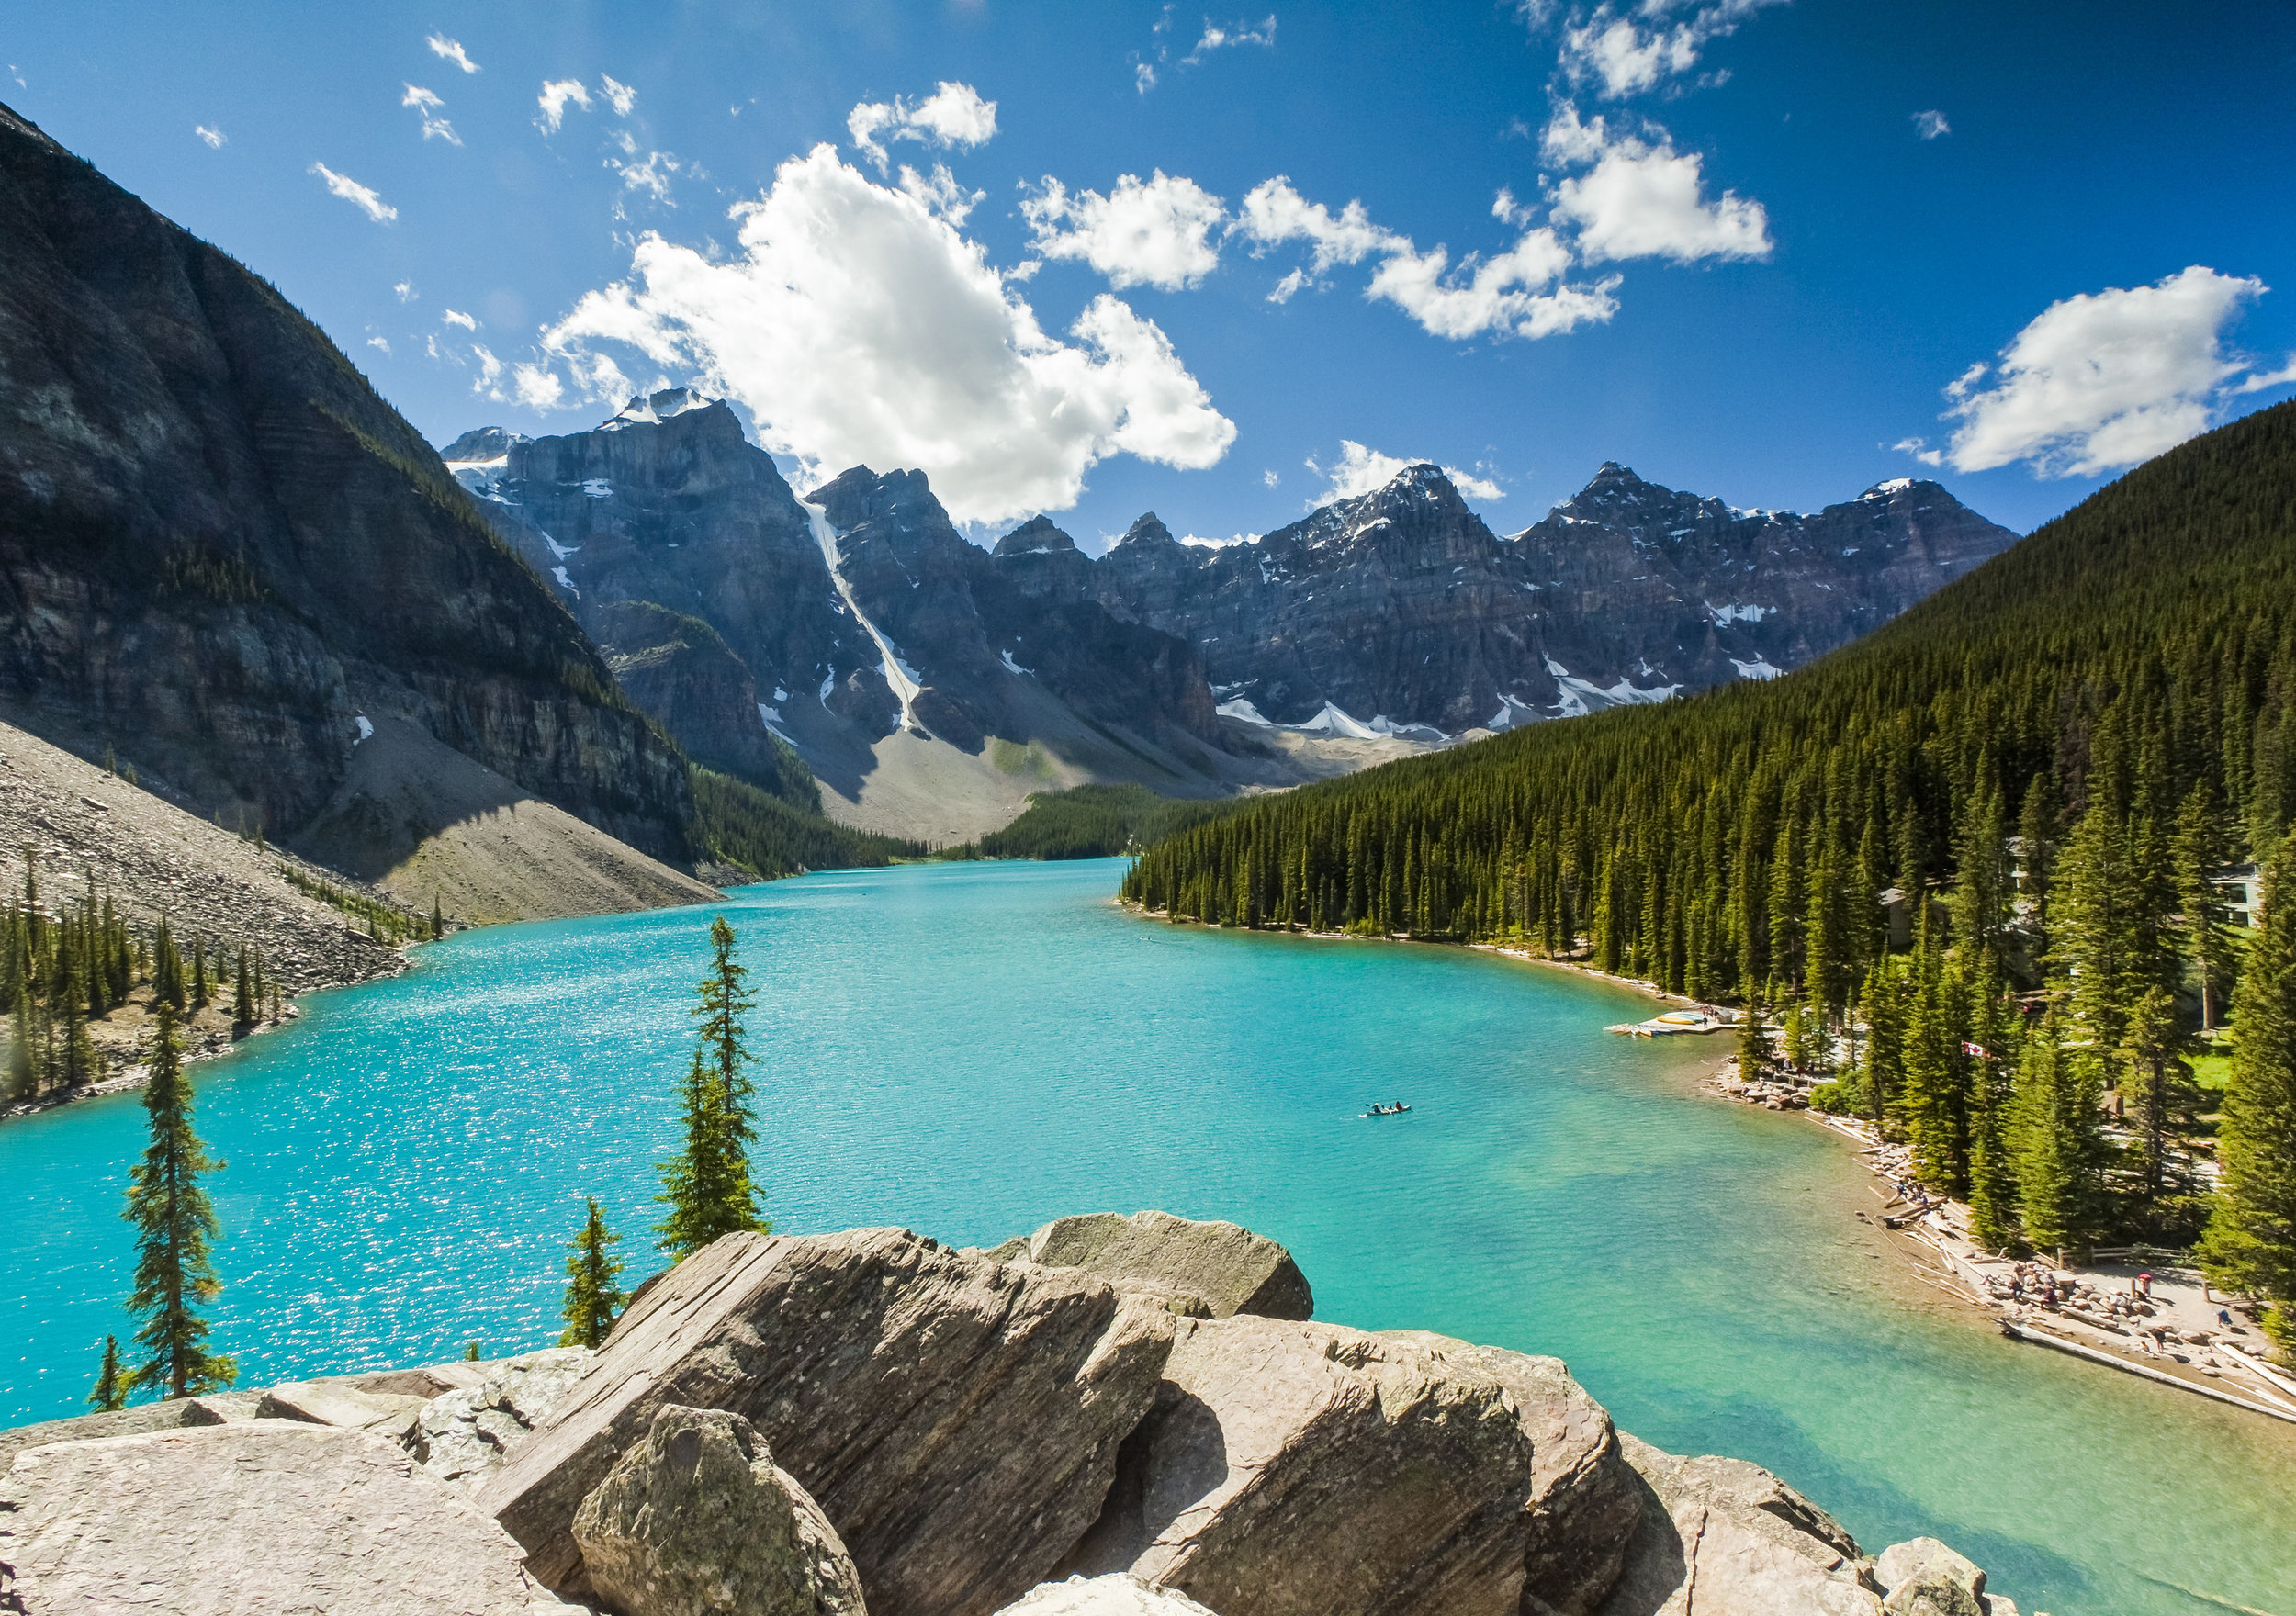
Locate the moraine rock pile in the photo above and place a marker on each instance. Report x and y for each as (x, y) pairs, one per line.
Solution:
(1115, 1417)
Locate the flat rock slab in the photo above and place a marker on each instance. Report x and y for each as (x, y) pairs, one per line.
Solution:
(957, 1418)
(1299, 1469)
(1720, 1537)
(697, 1519)
(269, 1518)
(1227, 1266)
(1117, 1594)
(320, 1403)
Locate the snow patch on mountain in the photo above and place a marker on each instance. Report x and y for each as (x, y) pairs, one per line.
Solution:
(905, 680)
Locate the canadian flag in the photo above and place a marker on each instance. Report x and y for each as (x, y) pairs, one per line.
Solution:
(1979, 1050)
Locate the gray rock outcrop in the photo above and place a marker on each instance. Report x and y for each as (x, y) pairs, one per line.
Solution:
(1585, 1501)
(1921, 1577)
(958, 1418)
(1226, 1266)
(269, 1518)
(1720, 1537)
(386, 1414)
(462, 1435)
(695, 1519)
(1117, 1594)
(1302, 1469)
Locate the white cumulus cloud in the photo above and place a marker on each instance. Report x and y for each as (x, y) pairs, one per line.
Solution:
(382, 343)
(939, 194)
(1930, 124)
(427, 106)
(953, 115)
(1625, 51)
(1157, 233)
(1360, 470)
(619, 95)
(858, 326)
(455, 316)
(2105, 379)
(1644, 200)
(451, 50)
(361, 196)
(555, 94)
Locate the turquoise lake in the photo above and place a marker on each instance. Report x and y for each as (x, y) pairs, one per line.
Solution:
(972, 1049)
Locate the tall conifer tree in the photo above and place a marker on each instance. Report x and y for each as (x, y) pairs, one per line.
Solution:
(2056, 1141)
(592, 1297)
(2251, 1240)
(175, 1224)
(110, 1394)
(707, 1185)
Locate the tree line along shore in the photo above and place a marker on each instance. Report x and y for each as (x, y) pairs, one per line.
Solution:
(1984, 863)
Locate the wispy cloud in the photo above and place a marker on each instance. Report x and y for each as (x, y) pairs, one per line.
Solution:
(213, 137)
(360, 196)
(556, 94)
(1624, 50)
(407, 293)
(455, 316)
(428, 105)
(1359, 471)
(1930, 124)
(1216, 37)
(619, 95)
(451, 50)
(953, 115)
(381, 342)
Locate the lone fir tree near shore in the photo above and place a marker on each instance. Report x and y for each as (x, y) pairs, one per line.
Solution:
(706, 1185)
(592, 1298)
(173, 1224)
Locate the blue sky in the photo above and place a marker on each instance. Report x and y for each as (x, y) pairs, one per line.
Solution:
(1735, 253)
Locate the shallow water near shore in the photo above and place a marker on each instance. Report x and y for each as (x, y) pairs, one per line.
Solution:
(970, 1049)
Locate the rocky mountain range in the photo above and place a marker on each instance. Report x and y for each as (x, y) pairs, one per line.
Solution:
(225, 557)
(1399, 610)
(924, 681)
(917, 673)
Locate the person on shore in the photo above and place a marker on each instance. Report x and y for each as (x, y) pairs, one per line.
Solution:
(2144, 1287)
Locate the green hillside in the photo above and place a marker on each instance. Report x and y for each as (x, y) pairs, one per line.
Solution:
(1097, 822)
(2057, 749)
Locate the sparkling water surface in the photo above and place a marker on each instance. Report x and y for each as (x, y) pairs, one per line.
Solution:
(970, 1049)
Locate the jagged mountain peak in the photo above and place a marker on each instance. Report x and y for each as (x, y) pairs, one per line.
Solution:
(1034, 536)
(653, 409)
(1147, 528)
(857, 495)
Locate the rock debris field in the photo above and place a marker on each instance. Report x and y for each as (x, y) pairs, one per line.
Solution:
(152, 859)
(1115, 1417)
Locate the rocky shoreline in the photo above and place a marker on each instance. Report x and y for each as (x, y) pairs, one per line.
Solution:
(1115, 1415)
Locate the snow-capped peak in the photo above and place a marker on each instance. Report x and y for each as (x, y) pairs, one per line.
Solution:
(1896, 485)
(652, 410)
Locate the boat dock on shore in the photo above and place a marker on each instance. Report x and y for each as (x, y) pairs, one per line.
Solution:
(1705, 1019)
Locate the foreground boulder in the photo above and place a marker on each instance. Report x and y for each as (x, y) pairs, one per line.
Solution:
(1118, 1594)
(1737, 1537)
(257, 1518)
(1227, 1267)
(1923, 1577)
(1298, 1469)
(696, 1520)
(957, 1418)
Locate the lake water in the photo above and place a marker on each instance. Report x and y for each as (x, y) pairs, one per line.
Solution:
(972, 1049)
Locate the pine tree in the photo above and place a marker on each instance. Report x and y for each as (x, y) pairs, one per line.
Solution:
(2200, 851)
(110, 1394)
(199, 971)
(707, 1185)
(167, 967)
(1992, 1170)
(438, 920)
(174, 1223)
(2162, 1102)
(23, 1076)
(1753, 1042)
(592, 1298)
(243, 994)
(2056, 1142)
(2250, 1245)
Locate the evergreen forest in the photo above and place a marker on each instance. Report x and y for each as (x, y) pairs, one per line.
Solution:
(1098, 822)
(1982, 865)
